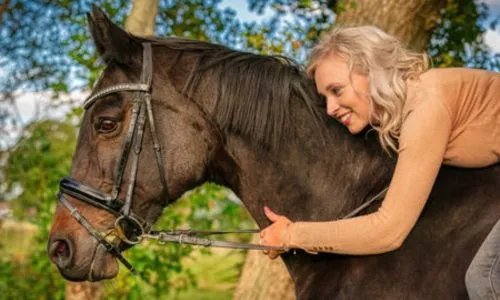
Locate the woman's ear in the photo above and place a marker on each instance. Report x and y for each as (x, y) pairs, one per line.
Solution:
(111, 41)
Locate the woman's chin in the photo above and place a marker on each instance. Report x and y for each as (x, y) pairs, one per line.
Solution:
(356, 127)
(353, 129)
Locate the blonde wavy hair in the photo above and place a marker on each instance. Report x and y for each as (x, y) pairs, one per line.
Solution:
(387, 63)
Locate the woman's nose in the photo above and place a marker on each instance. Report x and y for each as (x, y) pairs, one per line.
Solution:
(331, 107)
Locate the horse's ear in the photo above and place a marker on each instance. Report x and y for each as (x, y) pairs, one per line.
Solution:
(112, 42)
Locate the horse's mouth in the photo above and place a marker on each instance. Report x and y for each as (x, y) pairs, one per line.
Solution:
(103, 265)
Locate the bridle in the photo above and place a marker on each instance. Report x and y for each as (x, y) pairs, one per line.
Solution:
(130, 229)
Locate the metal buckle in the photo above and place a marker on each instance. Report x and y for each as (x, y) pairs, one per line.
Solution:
(136, 231)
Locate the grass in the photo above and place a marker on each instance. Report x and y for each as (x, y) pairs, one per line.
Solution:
(217, 275)
(15, 239)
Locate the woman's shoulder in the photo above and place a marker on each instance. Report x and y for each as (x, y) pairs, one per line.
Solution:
(451, 88)
(440, 82)
(444, 77)
(426, 82)
(428, 87)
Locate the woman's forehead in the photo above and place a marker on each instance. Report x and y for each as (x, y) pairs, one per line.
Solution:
(332, 67)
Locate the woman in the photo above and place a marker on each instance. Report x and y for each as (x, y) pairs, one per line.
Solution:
(429, 117)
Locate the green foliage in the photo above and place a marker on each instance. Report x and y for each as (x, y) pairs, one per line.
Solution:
(29, 280)
(37, 59)
(37, 163)
(34, 167)
(217, 274)
(28, 54)
(293, 28)
(198, 19)
(31, 277)
(458, 40)
(79, 48)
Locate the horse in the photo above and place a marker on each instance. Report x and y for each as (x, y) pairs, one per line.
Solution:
(255, 124)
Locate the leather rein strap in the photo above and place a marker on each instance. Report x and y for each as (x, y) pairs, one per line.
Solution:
(190, 237)
(122, 210)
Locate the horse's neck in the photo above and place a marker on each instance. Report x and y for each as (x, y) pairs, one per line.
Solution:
(308, 179)
(319, 173)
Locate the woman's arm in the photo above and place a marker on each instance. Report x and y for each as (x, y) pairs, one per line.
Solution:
(423, 141)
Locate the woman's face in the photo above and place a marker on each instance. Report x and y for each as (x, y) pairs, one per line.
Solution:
(347, 96)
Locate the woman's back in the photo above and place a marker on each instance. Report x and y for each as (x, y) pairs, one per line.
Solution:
(471, 99)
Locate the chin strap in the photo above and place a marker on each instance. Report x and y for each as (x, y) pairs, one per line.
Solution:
(107, 240)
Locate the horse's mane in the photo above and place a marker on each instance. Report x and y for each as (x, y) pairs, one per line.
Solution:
(255, 92)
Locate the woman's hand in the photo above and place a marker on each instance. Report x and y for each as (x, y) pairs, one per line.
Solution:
(275, 234)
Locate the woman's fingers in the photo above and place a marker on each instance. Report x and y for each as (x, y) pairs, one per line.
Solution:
(270, 214)
(273, 234)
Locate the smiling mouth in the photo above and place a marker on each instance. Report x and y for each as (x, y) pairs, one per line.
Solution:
(345, 119)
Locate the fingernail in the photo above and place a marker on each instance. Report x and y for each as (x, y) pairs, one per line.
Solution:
(266, 208)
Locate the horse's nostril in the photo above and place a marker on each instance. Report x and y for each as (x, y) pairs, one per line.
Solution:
(62, 249)
(60, 253)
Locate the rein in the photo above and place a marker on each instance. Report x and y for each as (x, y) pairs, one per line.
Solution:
(190, 237)
(130, 229)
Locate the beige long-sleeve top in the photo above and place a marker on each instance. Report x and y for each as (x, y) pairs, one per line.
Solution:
(452, 116)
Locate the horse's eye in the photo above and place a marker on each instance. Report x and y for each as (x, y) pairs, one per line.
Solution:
(106, 125)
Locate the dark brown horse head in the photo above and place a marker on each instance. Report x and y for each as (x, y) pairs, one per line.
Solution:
(186, 138)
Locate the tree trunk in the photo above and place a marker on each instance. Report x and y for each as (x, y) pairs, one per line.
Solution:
(412, 21)
(142, 18)
(263, 278)
(3, 8)
(83, 291)
(141, 21)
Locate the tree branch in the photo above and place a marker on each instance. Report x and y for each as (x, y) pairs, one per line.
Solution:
(3, 8)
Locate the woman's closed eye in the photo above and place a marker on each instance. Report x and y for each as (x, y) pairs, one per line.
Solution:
(336, 91)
